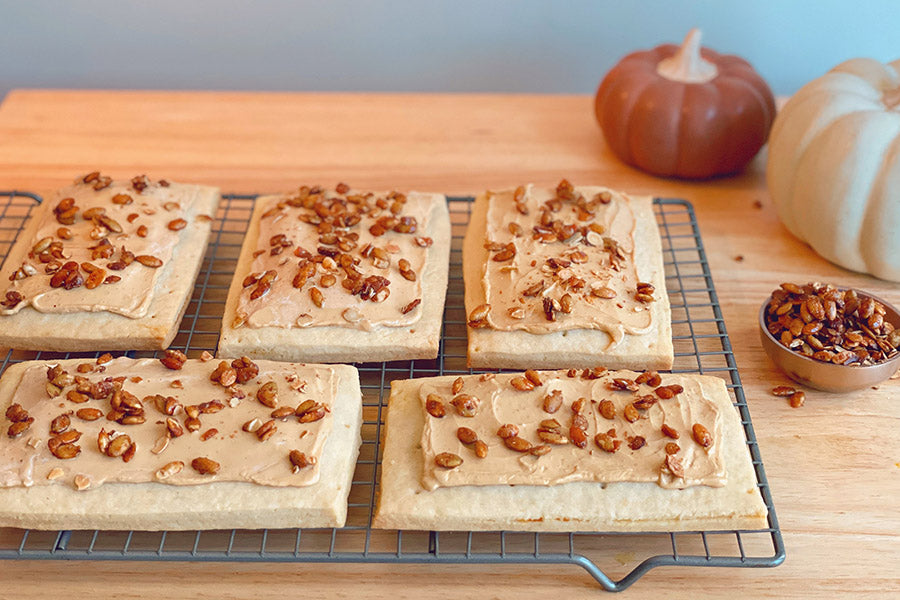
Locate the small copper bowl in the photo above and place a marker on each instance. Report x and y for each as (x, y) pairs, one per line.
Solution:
(824, 376)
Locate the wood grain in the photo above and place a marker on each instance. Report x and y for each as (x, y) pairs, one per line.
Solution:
(833, 465)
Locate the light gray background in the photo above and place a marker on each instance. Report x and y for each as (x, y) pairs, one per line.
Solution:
(408, 45)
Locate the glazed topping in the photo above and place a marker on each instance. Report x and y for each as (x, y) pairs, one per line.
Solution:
(341, 258)
(554, 427)
(179, 422)
(560, 260)
(101, 247)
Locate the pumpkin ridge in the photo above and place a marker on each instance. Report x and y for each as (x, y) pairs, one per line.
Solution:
(762, 99)
(687, 157)
(679, 135)
(786, 208)
(870, 72)
(794, 221)
(798, 104)
(751, 78)
(870, 249)
(840, 82)
(653, 162)
(853, 192)
(738, 154)
(834, 167)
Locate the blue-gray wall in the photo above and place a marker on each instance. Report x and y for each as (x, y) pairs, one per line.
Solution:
(408, 45)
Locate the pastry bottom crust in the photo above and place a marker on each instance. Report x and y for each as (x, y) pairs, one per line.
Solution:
(580, 506)
(29, 329)
(341, 344)
(225, 505)
(580, 348)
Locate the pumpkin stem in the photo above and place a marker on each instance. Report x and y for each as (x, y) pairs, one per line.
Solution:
(686, 65)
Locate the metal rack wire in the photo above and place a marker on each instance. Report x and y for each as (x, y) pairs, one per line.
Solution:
(701, 346)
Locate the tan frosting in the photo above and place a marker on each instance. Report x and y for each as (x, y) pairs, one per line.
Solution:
(500, 404)
(153, 207)
(286, 306)
(599, 266)
(27, 461)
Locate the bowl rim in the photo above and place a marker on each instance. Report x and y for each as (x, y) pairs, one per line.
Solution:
(819, 363)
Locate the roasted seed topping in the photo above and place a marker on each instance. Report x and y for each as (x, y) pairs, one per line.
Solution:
(434, 405)
(19, 427)
(783, 390)
(337, 260)
(518, 444)
(205, 466)
(466, 405)
(478, 316)
(170, 469)
(310, 411)
(552, 436)
(533, 376)
(448, 460)
(412, 305)
(702, 435)
(466, 435)
(267, 394)
(507, 431)
(480, 449)
(266, 430)
(173, 359)
(523, 384)
(622, 384)
(13, 298)
(244, 368)
(630, 413)
(667, 392)
(16, 413)
(149, 261)
(60, 424)
(282, 413)
(606, 442)
(830, 324)
(299, 460)
(224, 374)
(669, 432)
(88, 414)
(674, 465)
(553, 401)
(607, 409)
(578, 436)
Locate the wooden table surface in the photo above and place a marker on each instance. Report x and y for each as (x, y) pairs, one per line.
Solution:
(833, 465)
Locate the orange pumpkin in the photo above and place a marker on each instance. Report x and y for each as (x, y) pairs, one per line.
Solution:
(684, 111)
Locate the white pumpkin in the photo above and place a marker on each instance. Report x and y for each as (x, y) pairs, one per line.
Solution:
(834, 166)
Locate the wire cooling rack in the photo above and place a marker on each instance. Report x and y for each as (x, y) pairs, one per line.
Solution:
(615, 560)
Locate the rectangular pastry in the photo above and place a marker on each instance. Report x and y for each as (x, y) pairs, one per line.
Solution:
(590, 450)
(570, 277)
(175, 444)
(340, 276)
(106, 265)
